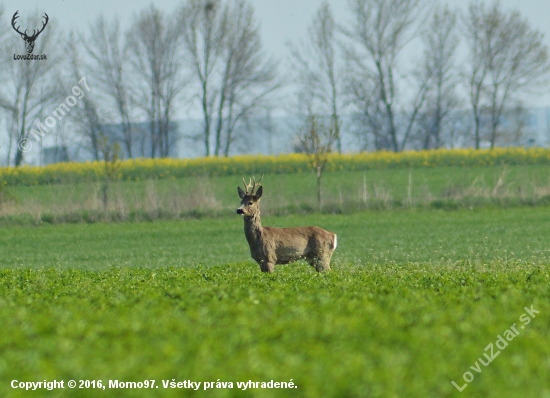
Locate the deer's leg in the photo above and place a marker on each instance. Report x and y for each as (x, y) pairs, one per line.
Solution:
(267, 266)
(323, 261)
(323, 264)
(319, 265)
(315, 260)
(270, 266)
(263, 265)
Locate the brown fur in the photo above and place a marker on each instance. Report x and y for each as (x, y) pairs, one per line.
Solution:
(270, 246)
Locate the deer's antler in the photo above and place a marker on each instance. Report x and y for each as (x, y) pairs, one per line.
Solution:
(252, 184)
(257, 184)
(247, 187)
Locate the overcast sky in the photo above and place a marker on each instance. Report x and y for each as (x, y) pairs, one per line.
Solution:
(281, 20)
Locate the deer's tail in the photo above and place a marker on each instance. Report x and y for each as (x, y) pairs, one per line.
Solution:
(334, 242)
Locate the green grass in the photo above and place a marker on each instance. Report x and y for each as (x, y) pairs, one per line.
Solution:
(362, 331)
(433, 236)
(412, 301)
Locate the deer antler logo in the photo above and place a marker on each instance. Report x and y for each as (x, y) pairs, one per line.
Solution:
(29, 40)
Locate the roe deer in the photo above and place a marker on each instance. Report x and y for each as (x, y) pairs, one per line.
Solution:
(270, 246)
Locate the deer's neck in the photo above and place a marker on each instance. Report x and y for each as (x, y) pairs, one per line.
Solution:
(253, 228)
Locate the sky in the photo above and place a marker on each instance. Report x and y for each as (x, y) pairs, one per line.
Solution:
(281, 20)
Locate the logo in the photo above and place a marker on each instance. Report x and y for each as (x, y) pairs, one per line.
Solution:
(29, 40)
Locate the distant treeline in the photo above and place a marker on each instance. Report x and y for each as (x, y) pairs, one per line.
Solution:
(206, 58)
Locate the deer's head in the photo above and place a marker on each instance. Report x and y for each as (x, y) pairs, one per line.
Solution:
(29, 40)
(250, 202)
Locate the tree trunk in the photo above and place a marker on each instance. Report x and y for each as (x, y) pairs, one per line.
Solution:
(319, 203)
(106, 193)
(477, 122)
(18, 157)
(206, 119)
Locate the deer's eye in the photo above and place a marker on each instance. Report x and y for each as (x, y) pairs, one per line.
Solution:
(250, 203)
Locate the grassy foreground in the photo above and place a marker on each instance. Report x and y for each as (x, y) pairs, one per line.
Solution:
(413, 301)
(370, 331)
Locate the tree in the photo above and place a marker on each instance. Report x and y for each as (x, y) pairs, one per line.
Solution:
(32, 86)
(316, 140)
(248, 77)
(508, 60)
(156, 60)
(379, 31)
(438, 67)
(203, 25)
(109, 67)
(316, 71)
(6, 106)
(110, 151)
(234, 78)
(85, 116)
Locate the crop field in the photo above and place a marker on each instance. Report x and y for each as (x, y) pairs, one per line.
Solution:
(149, 189)
(445, 187)
(417, 299)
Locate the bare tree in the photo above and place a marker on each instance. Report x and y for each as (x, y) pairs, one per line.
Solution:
(32, 86)
(248, 76)
(109, 68)
(109, 150)
(316, 140)
(315, 64)
(203, 25)
(86, 116)
(477, 69)
(508, 60)
(6, 107)
(157, 62)
(438, 67)
(379, 31)
(234, 78)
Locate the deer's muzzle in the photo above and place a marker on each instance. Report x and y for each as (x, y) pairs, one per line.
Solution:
(240, 211)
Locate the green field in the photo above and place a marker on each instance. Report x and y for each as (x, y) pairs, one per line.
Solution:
(343, 192)
(414, 298)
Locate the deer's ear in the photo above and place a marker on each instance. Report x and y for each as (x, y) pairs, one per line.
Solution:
(259, 192)
(241, 192)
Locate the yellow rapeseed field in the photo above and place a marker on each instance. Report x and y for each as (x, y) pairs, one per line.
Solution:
(139, 169)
